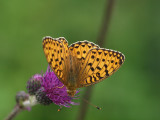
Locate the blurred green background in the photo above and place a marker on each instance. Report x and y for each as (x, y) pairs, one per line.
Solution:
(132, 93)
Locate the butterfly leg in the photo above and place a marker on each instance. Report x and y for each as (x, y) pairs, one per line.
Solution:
(61, 86)
(59, 109)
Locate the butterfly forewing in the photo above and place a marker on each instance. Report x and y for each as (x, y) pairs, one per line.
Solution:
(55, 53)
(81, 48)
(99, 64)
(65, 45)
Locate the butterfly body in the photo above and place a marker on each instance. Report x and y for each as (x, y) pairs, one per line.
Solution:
(82, 63)
(72, 76)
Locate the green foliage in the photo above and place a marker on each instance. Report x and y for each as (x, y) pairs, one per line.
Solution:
(132, 93)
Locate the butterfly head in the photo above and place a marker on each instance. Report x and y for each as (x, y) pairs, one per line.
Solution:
(71, 92)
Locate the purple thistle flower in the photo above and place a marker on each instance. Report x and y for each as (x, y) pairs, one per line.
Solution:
(51, 90)
(55, 89)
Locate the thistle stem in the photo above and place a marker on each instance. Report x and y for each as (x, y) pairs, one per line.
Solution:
(17, 109)
(24, 102)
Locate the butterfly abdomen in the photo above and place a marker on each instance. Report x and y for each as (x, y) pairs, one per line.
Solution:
(71, 92)
(71, 87)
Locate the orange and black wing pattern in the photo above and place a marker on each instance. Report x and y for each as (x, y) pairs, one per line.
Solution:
(82, 63)
(55, 51)
(100, 64)
(80, 49)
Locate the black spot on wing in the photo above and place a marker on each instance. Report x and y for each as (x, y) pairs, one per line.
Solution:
(106, 71)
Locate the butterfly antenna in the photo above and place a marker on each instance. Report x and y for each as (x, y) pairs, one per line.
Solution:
(91, 104)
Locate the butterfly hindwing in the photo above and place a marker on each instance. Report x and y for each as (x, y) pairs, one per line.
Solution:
(99, 64)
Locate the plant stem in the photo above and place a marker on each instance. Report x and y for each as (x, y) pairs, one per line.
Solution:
(14, 112)
(84, 105)
(105, 22)
(101, 41)
(24, 102)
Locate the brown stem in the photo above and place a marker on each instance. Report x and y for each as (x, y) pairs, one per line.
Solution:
(84, 105)
(101, 42)
(14, 112)
(105, 22)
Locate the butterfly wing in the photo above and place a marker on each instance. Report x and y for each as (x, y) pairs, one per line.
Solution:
(56, 52)
(98, 65)
(65, 45)
(80, 49)
(89, 63)
(78, 52)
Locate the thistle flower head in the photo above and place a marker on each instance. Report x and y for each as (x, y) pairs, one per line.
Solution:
(34, 83)
(50, 89)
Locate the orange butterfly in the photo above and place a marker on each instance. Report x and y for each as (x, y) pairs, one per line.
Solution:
(82, 63)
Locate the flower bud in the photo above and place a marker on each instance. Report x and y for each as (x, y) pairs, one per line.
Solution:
(21, 96)
(42, 98)
(34, 84)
